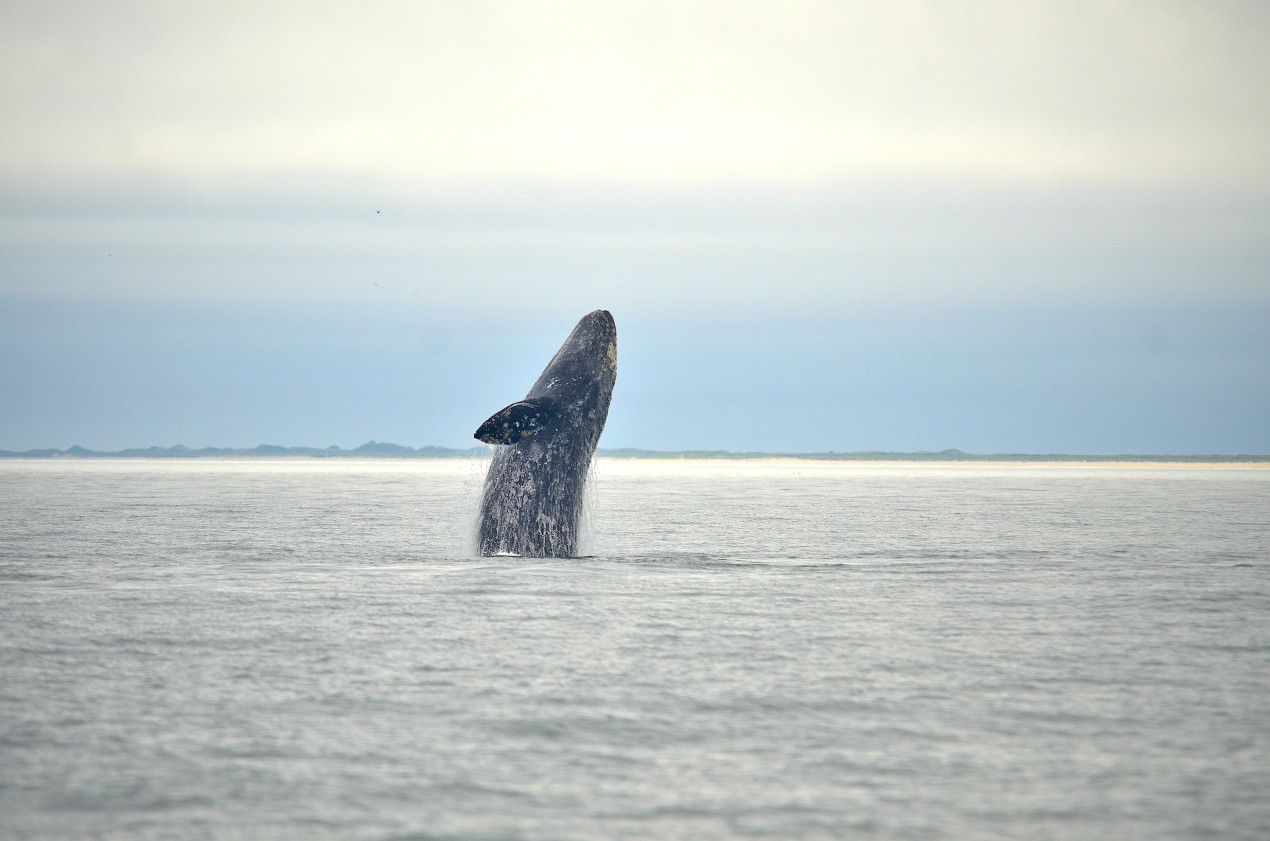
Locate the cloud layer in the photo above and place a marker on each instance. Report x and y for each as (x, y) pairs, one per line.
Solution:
(655, 94)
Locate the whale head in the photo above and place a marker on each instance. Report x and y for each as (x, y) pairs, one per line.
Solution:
(571, 395)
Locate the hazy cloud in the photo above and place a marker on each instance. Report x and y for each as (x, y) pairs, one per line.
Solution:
(654, 94)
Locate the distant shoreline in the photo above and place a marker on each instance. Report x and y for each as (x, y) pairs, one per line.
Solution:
(377, 450)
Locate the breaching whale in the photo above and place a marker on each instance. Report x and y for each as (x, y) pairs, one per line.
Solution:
(533, 494)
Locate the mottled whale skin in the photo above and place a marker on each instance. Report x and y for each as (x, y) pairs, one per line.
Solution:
(533, 494)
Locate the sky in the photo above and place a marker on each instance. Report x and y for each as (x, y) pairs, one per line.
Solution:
(1001, 227)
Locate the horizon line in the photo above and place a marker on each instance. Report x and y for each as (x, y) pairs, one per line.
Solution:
(375, 449)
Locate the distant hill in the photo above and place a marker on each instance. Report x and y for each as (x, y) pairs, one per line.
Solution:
(371, 449)
(378, 449)
(923, 455)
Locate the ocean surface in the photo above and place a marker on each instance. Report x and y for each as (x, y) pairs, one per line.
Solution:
(297, 649)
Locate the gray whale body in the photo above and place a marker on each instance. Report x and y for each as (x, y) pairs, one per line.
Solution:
(543, 445)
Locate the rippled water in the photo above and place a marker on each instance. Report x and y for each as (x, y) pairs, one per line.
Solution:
(244, 649)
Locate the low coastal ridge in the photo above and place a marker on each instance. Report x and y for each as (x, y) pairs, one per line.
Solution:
(376, 449)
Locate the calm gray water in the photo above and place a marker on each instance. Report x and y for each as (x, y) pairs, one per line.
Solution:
(307, 650)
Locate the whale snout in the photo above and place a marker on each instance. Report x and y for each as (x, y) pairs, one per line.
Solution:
(602, 322)
(604, 334)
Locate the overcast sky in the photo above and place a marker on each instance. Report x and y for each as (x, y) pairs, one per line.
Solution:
(1038, 227)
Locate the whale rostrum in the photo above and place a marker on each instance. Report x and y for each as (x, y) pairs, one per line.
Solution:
(532, 501)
